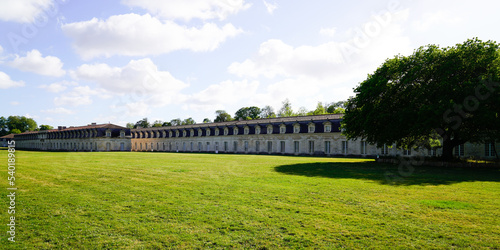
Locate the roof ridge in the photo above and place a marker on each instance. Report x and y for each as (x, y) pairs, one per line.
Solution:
(253, 121)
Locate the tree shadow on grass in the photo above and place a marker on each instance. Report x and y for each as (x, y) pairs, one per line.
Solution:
(388, 174)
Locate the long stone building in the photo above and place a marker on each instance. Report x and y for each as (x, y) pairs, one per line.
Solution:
(93, 137)
(302, 135)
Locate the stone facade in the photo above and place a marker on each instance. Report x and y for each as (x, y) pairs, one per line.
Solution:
(4, 140)
(103, 137)
(305, 135)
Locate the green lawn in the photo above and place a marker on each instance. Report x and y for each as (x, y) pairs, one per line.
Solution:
(185, 201)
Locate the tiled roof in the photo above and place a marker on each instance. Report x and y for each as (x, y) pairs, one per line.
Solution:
(9, 136)
(252, 122)
(90, 126)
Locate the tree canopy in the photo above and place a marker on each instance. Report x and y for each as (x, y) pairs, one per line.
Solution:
(448, 93)
(286, 110)
(142, 123)
(157, 123)
(267, 112)
(222, 116)
(45, 127)
(17, 125)
(247, 113)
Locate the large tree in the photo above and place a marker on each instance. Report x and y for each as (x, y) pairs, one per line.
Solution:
(188, 121)
(447, 93)
(157, 124)
(222, 116)
(176, 122)
(336, 107)
(4, 129)
(320, 109)
(21, 123)
(286, 110)
(247, 113)
(142, 123)
(45, 127)
(267, 112)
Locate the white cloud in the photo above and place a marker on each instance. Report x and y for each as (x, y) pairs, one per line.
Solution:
(27, 115)
(23, 11)
(6, 82)
(79, 95)
(1, 49)
(275, 58)
(34, 62)
(136, 35)
(135, 87)
(325, 72)
(187, 10)
(270, 7)
(138, 77)
(221, 95)
(57, 86)
(59, 110)
(367, 47)
(431, 19)
(14, 103)
(137, 109)
(72, 99)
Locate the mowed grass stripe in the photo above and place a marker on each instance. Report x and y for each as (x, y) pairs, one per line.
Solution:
(168, 200)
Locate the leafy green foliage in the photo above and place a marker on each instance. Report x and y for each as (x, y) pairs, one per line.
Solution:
(222, 116)
(142, 123)
(267, 112)
(4, 129)
(15, 131)
(21, 123)
(286, 110)
(247, 113)
(157, 123)
(412, 100)
(45, 127)
(176, 122)
(188, 121)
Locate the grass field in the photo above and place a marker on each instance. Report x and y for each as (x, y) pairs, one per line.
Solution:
(184, 201)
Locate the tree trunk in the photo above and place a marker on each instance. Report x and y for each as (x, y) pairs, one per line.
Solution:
(448, 146)
(447, 150)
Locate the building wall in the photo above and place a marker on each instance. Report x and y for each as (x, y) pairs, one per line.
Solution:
(78, 144)
(319, 135)
(308, 144)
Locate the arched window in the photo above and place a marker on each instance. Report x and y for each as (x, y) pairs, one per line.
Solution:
(311, 128)
(282, 128)
(269, 129)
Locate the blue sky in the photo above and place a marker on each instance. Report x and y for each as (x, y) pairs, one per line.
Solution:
(68, 62)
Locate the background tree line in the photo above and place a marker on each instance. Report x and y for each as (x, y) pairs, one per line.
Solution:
(19, 124)
(250, 113)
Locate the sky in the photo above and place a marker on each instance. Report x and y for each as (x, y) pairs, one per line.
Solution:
(70, 63)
